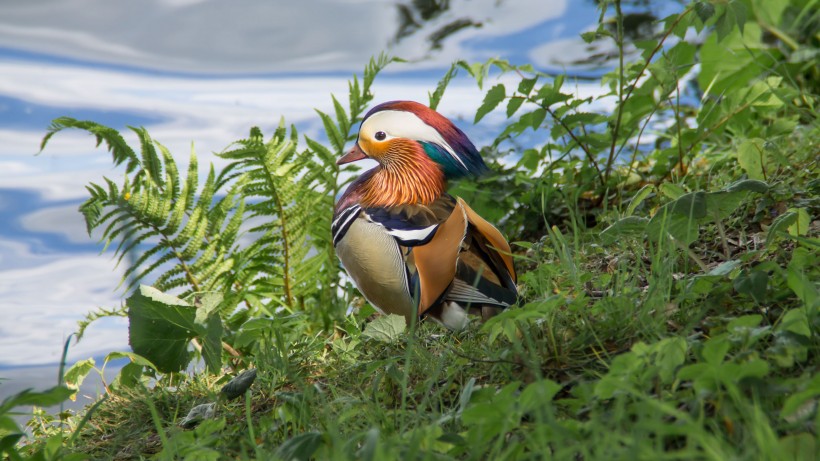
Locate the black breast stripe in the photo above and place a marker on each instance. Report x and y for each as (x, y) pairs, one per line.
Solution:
(343, 221)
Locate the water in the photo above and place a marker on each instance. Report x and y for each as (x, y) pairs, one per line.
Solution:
(203, 72)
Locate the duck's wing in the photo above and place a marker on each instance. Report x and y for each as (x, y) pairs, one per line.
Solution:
(436, 261)
(493, 246)
(485, 274)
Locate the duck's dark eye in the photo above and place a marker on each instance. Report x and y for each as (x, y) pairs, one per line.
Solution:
(380, 135)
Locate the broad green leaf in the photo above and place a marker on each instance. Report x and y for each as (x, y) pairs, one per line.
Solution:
(386, 328)
(751, 156)
(197, 414)
(752, 284)
(800, 226)
(704, 10)
(671, 355)
(692, 205)
(492, 99)
(725, 267)
(726, 56)
(538, 394)
(745, 321)
(671, 190)
(715, 350)
(239, 384)
(756, 368)
(533, 119)
(795, 321)
(161, 327)
(799, 399)
(131, 374)
(799, 280)
(513, 104)
(589, 37)
(680, 218)
(526, 85)
(7, 442)
(626, 227)
(301, 446)
(75, 375)
(802, 446)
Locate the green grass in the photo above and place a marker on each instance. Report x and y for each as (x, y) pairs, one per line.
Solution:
(623, 351)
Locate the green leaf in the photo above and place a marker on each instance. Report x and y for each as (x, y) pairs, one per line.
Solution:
(385, 328)
(671, 354)
(491, 100)
(589, 37)
(438, 93)
(800, 226)
(679, 218)
(799, 280)
(795, 321)
(745, 321)
(301, 446)
(671, 190)
(161, 326)
(704, 10)
(751, 156)
(538, 395)
(47, 398)
(752, 284)
(526, 85)
(780, 224)
(75, 375)
(7, 443)
(513, 104)
(626, 227)
(802, 446)
(638, 198)
(239, 384)
(715, 350)
(798, 400)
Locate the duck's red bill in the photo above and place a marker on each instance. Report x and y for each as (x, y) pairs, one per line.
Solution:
(352, 155)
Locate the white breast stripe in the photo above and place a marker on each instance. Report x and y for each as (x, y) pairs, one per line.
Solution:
(413, 236)
(342, 222)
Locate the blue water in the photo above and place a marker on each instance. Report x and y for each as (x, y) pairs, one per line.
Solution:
(194, 71)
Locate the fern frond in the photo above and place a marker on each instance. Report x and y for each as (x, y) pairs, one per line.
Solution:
(120, 150)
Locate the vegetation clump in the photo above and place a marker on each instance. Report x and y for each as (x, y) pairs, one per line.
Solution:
(667, 248)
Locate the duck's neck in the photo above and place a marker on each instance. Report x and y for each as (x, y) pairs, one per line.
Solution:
(409, 181)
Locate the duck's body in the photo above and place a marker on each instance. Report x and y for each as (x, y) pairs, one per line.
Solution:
(411, 248)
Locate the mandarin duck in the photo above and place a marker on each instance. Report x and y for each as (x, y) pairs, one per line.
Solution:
(410, 247)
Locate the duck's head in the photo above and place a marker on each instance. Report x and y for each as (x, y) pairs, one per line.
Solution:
(400, 132)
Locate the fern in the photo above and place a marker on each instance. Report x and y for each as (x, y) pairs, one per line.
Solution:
(257, 231)
(188, 236)
(278, 182)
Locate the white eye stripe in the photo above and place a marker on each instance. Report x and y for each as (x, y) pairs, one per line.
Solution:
(402, 124)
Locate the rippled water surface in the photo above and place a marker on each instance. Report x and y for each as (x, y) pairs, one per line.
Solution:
(203, 72)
